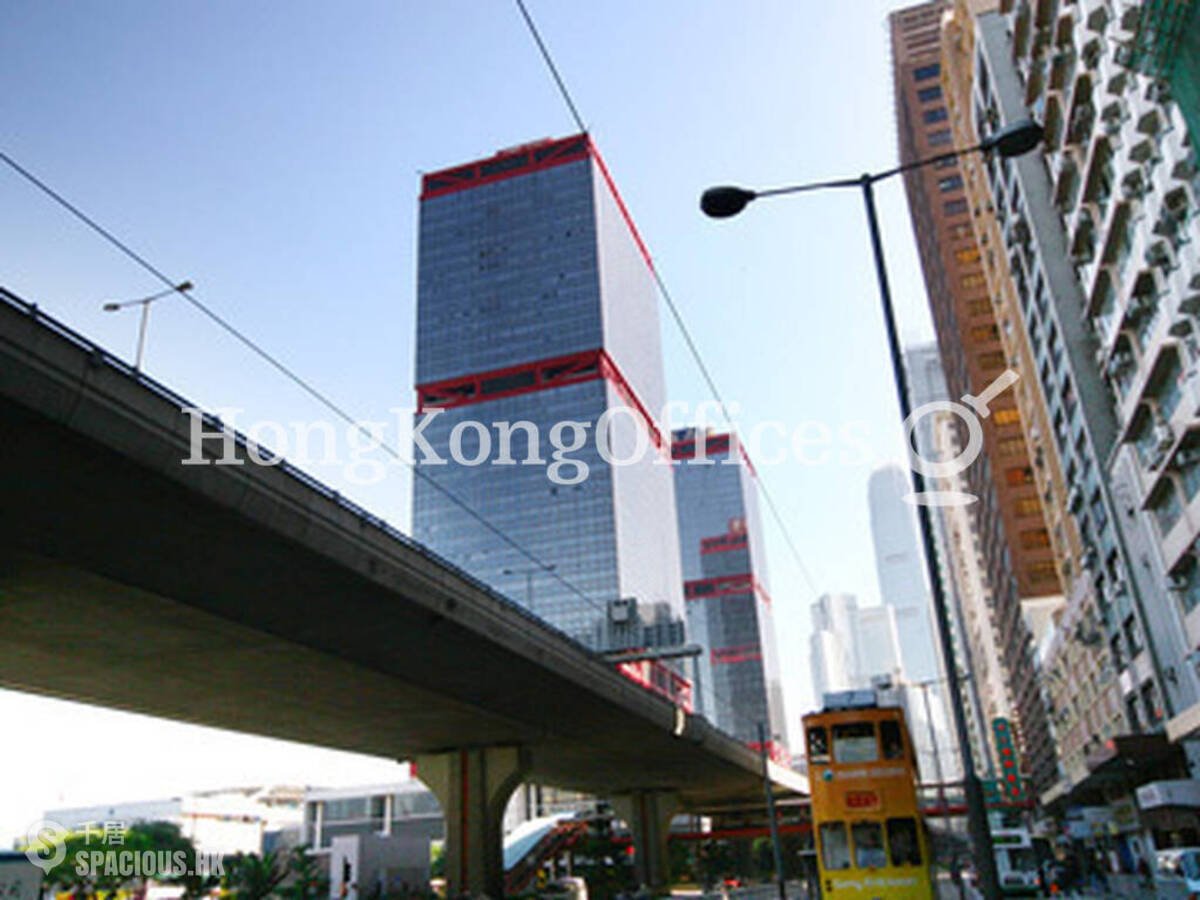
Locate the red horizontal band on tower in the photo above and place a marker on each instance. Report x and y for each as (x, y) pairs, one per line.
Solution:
(739, 654)
(530, 377)
(725, 586)
(506, 164)
(713, 444)
(523, 160)
(723, 543)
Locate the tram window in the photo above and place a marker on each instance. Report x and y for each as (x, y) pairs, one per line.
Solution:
(818, 745)
(868, 845)
(854, 743)
(835, 849)
(902, 840)
(893, 744)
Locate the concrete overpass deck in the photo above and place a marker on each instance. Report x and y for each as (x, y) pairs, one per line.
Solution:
(256, 599)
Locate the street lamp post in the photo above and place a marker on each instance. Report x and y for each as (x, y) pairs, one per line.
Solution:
(144, 303)
(776, 844)
(722, 202)
(939, 773)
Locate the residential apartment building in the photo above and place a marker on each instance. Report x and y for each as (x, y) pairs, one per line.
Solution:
(962, 572)
(1098, 235)
(729, 606)
(1093, 706)
(1015, 544)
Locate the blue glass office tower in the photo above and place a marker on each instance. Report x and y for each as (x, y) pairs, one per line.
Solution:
(737, 681)
(536, 304)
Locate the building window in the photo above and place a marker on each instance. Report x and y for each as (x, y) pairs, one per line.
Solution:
(991, 361)
(979, 307)
(924, 73)
(1141, 435)
(1190, 474)
(1131, 710)
(982, 333)
(927, 94)
(1029, 506)
(1166, 385)
(974, 280)
(934, 115)
(1035, 539)
(1013, 446)
(1150, 703)
(939, 138)
(967, 254)
(950, 183)
(1166, 506)
(1133, 635)
(1019, 475)
(1042, 572)
(1008, 416)
(1188, 575)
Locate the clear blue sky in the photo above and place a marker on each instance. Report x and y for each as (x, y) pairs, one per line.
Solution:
(271, 153)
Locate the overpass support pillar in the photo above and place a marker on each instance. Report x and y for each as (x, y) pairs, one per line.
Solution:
(473, 787)
(648, 815)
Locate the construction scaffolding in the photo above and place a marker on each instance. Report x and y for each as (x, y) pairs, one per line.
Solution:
(1166, 45)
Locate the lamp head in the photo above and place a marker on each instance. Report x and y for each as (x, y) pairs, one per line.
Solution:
(723, 202)
(1015, 139)
(111, 307)
(184, 286)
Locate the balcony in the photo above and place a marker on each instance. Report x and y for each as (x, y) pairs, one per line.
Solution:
(1082, 247)
(1062, 68)
(1081, 122)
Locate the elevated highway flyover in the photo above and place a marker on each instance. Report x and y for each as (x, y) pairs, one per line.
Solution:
(253, 598)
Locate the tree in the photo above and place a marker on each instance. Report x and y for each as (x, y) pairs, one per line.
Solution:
(95, 860)
(253, 877)
(304, 878)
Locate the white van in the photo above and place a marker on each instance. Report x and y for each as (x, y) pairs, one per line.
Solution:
(1016, 862)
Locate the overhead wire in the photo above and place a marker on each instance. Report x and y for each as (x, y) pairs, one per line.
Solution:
(676, 314)
(292, 376)
(305, 385)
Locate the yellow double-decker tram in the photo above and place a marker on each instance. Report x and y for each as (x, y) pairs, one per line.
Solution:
(870, 839)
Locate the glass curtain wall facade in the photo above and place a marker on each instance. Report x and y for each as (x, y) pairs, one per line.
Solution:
(728, 605)
(536, 316)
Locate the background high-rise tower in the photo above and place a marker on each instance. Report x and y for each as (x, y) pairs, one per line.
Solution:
(536, 304)
(901, 570)
(728, 603)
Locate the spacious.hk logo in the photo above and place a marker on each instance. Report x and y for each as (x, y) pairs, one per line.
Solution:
(46, 844)
(100, 851)
(972, 410)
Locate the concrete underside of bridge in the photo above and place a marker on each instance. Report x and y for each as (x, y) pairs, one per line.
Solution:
(240, 597)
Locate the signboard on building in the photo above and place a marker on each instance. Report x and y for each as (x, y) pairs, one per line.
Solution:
(1177, 792)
